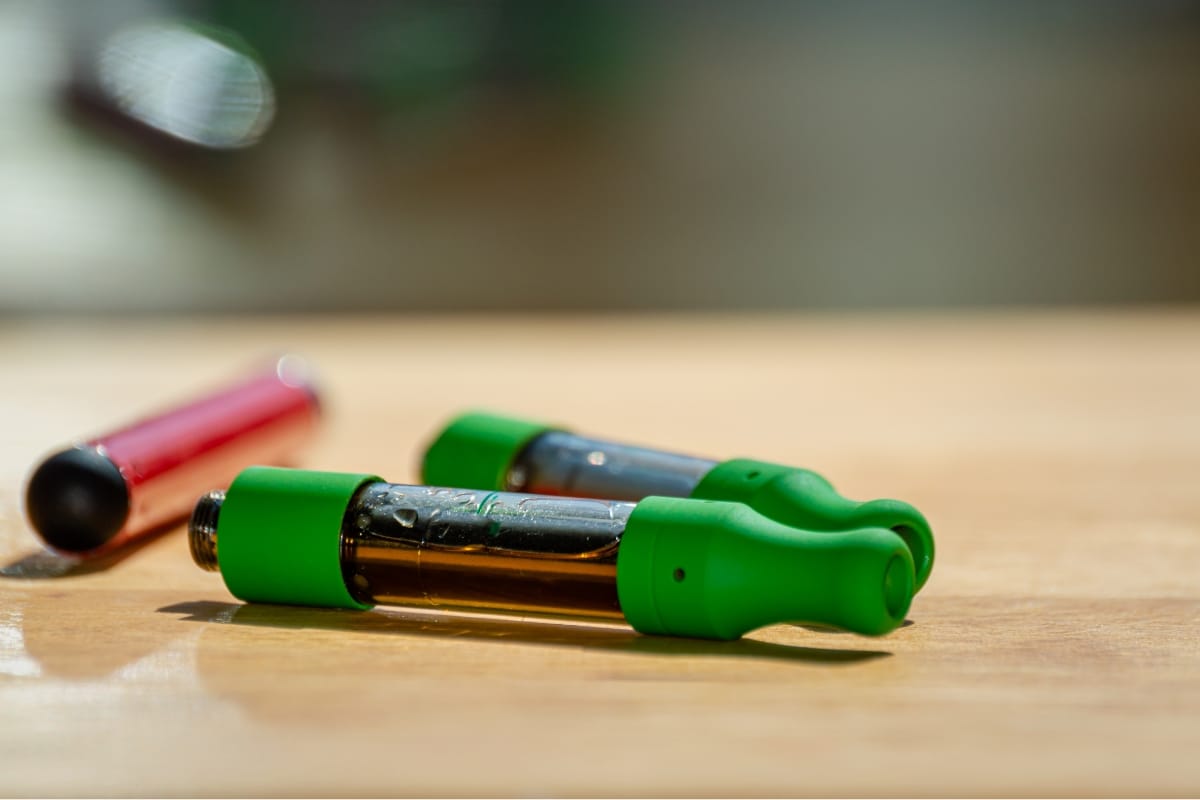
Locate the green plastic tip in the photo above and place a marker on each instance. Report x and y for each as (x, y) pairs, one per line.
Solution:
(279, 536)
(803, 499)
(718, 570)
(476, 450)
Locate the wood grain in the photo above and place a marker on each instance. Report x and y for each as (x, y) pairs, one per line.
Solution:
(1054, 651)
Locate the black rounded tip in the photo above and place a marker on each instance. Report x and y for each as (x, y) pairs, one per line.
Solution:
(77, 500)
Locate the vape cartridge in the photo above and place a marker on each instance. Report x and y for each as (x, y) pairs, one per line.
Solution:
(104, 492)
(494, 452)
(668, 566)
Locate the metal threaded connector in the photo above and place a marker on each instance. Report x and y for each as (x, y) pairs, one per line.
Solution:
(202, 530)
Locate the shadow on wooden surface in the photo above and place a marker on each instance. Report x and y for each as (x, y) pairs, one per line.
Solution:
(525, 631)
(47, 564)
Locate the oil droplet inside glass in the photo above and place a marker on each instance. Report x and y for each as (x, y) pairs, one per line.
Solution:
(405, 517)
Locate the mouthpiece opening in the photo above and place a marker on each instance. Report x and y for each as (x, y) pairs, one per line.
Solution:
(897, 588)
(916, 545)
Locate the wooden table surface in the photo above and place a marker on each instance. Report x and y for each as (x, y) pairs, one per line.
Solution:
(1053, 652)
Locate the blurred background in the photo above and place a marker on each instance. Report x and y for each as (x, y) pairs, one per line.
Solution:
(321, 155)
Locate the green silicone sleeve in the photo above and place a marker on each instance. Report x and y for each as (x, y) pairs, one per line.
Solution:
(476, 450)
(803, 499)
(279, 536)
(717, 570)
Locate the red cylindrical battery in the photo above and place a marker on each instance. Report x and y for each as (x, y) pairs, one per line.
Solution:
(105, 492)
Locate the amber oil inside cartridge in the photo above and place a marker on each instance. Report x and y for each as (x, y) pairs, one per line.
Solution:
(429, 546)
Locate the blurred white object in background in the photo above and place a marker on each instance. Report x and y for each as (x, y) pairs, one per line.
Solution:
(187, 84)
(773, 156)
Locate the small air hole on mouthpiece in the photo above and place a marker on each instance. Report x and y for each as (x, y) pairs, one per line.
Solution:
(679, 574)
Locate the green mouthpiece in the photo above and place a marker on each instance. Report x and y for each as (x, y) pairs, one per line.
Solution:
(719, 570)
(803, 499)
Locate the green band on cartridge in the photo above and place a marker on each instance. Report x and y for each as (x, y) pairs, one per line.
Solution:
(804, 499)
(476, 450)
(279, 536)
(718, 570)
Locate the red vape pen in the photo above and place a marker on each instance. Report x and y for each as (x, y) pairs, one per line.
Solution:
(103, 493)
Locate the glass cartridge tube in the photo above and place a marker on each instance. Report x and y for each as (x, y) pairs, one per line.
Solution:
(457, 548)
(563, 463)
(423, 545)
